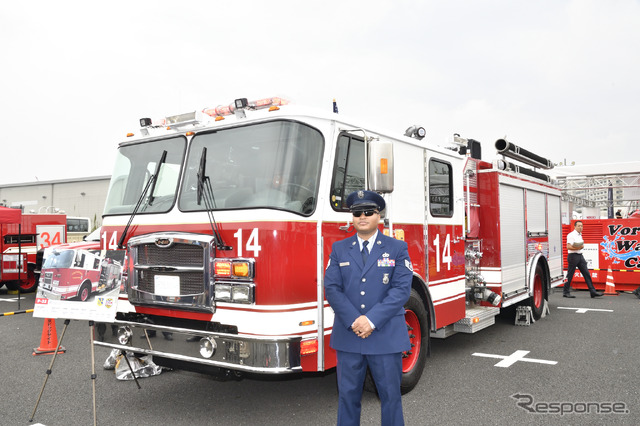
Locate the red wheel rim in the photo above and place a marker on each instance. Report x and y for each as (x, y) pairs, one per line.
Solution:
(415, 337)
(31, 280)
(84, 295)
(537, 291)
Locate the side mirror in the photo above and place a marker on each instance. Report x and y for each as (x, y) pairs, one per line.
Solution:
(380, 166)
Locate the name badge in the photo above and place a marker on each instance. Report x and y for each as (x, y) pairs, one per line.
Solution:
(344, 263)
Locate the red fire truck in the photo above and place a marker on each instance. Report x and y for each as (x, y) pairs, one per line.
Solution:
(228, 216)
(19, 243)
(611, 249)
(71, 271)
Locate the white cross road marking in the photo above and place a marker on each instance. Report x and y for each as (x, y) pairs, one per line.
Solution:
(583, 310)
(508, 361)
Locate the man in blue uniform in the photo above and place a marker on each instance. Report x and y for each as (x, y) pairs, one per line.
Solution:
(367, 282)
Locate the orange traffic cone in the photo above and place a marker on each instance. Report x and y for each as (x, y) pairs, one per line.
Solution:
(610, 287)
(49, 339)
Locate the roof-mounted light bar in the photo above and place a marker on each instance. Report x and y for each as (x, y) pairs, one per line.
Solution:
(242, 103)
(182, 119)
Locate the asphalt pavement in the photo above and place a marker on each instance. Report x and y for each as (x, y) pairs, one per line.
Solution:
(579, 365)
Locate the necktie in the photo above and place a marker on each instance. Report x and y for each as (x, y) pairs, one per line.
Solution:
(365, 252)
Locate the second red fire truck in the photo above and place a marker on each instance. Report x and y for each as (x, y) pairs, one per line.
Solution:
(228, 216)
(19, 245)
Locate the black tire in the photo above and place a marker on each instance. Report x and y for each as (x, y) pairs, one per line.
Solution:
(28, 285)
(536, 301)
(414, 360)
(84, 293)
(418, 327)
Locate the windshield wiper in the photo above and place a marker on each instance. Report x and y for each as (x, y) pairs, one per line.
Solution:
(155, 177)
(151, 183)
(205, 191)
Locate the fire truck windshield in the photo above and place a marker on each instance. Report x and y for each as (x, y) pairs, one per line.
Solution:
(267, 165)
(59, 259)
(135, 164)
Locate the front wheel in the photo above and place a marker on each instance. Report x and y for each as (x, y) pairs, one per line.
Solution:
(414, 360)
(27, 285)
(84, 292)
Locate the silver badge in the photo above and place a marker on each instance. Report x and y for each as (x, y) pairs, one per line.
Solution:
(360, 194)
(385, 278)
(385, 254)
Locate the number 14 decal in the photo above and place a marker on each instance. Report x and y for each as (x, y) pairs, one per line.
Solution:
(446, 252)
(252, 242)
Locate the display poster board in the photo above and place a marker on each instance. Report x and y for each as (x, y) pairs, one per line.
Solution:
(79, 284)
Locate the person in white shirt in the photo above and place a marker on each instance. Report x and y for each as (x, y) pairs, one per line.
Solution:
(575, 243)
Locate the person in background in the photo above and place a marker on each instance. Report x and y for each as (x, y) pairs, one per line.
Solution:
(575, 243)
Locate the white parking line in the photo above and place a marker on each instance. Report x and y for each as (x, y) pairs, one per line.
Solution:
(509, 360)
(15, 299)
(583, 310)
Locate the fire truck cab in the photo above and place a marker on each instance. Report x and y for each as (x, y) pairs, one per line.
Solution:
(228, 216)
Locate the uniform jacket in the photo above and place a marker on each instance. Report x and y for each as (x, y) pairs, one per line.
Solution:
(378, 290)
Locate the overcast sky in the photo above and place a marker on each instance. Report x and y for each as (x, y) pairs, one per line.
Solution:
(559, 78)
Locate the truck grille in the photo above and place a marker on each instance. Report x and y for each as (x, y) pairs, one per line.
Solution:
(180, 259)
(176, 255)
(48, 277)
(190, 282)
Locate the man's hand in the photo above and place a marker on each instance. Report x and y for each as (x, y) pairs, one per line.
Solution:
(361, 327)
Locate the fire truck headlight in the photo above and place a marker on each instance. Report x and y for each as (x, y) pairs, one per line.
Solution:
(124, 335)
(207, 347)
(223, 292)
(241, 293)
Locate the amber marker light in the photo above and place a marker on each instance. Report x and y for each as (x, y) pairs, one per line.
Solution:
(475, 320)
(219, 118)
(189, 133)
(241, 269)
(306, 323)
(384, 166)
(129, 135)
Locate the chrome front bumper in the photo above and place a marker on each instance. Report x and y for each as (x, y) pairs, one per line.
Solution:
(252, 354)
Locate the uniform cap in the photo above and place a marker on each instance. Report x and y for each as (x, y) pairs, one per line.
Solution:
(363, 200)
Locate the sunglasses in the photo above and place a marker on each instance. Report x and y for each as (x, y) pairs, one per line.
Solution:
(366, 213)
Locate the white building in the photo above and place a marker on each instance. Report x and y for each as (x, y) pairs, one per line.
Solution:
(83, 197)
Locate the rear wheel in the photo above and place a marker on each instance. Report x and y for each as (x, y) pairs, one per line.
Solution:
(538, 297)
(413, 360)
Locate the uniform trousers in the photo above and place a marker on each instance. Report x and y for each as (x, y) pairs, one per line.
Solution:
(577, 260)
(386, 370)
